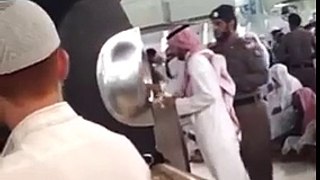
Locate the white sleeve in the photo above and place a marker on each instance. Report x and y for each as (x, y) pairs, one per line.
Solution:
(204, 87)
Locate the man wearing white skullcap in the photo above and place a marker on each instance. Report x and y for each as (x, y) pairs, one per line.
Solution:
(49, 140)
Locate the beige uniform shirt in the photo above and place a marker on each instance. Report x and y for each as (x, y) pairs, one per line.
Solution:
(246, 67)
(297, 47)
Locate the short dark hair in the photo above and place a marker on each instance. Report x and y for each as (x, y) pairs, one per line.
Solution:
(294, 19)
(226, 13)
(33, 82)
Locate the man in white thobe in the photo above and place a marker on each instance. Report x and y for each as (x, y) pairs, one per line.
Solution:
(49, 140)
(176, 74)
(280, 107)
(215, 131)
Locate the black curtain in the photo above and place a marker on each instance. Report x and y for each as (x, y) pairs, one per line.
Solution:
(84, 26)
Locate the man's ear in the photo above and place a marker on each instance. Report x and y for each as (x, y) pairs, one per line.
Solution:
(62, 64)
(232, 25)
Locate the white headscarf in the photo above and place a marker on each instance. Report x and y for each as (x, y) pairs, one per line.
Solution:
(260, 45)
(287, 85)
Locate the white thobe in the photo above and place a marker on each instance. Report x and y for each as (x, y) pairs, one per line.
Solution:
(215, 131)
(284, 121)
(55, 143)
(175, 87)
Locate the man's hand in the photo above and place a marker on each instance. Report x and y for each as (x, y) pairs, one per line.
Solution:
(164, 101)
(154, 87)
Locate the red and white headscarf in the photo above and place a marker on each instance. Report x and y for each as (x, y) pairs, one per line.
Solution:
(308, 102)
(186, 39)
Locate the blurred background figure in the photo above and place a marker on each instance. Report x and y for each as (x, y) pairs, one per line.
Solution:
(280, 104)
(277, 36)
(297, 51)
(253, 42)
(267, 45)
(304, 101)
(303, 138)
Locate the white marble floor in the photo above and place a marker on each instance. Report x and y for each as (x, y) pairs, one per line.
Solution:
(282, 171)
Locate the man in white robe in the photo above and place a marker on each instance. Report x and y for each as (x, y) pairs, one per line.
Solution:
(215, 130)
(280, 109)
(49, 141)
(176, 74)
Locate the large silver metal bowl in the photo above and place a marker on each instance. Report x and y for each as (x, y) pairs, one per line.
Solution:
(122, 72)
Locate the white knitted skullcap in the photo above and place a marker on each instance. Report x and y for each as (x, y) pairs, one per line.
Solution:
(27, 35)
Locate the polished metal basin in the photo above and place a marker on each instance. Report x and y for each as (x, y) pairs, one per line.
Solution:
(122, 72)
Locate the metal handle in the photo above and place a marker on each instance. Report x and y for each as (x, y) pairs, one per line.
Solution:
(149, 156)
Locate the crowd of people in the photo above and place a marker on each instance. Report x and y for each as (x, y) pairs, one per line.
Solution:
(246, 86)
(226, 95)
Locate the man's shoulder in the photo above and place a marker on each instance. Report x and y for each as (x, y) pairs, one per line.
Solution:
(298, 33)
(235, 41)
(199, 62)
(307, 33)
(239, 40)
(107, 160)
(239, 44)
(97, 131)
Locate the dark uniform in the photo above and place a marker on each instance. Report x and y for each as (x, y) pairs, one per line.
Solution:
(297, 51)
(249, 72)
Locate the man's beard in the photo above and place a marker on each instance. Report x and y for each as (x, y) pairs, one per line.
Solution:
(222, 36)
(181, 58)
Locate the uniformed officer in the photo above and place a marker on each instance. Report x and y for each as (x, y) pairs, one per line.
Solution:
(297, 51)
(249, 72)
